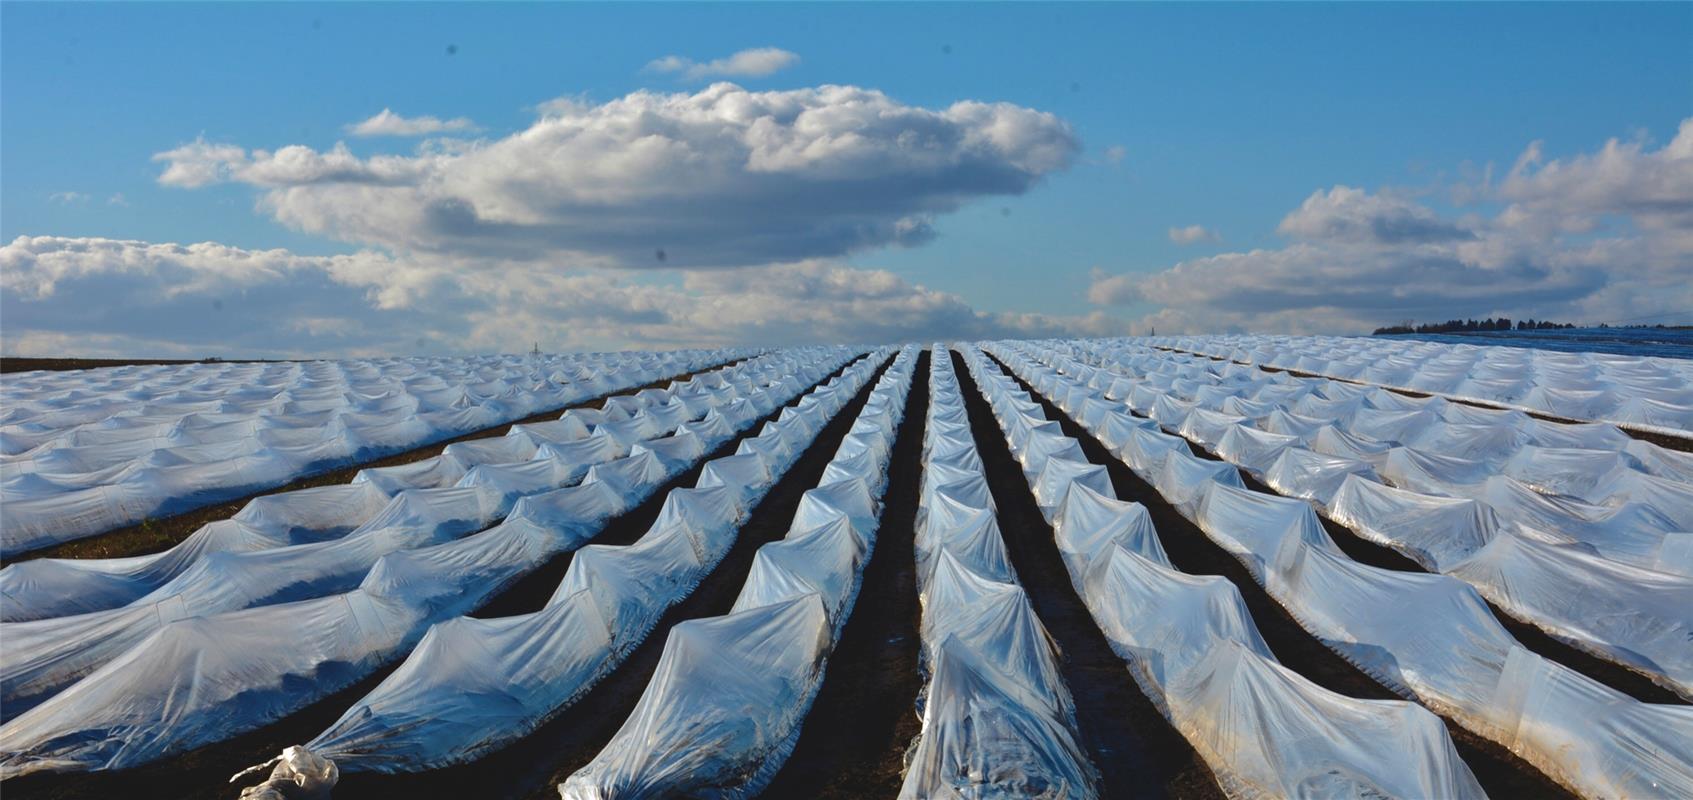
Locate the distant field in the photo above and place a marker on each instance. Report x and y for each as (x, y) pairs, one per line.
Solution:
(1662, 342)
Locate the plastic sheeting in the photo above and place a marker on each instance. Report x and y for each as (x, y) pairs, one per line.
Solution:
(1452, 654)
(724, 706)
(46, 655)
(57, 587)
(473, 685)
(997, 717)
(1482, 476)
(1647, 393)
(204, 678)
(86, 451)
(1191, 646)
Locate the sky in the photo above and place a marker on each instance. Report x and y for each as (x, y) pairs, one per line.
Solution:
(299, 180)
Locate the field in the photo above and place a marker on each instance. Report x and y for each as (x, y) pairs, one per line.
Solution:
(1179, 566)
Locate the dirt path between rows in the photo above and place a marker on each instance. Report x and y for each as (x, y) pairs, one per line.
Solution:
(854, 739)
(154, 535)
(1501, 773)
(1618, 677)
(204, 772)
(535, 764)
(1137, 751)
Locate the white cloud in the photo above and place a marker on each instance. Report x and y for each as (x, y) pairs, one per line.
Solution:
(199, 163)
(1594, 238)
(1112, 290)
(1115, 154)
(1354, 215)
(754, 62)
(67, 198)
(114, 297)
(721, 177)
(1192, 234)
(117, 199)
(388, 123)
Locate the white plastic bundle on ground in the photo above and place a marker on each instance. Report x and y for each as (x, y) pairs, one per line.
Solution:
(43, 656)
(997, 717)
(1641, 392)
(205, 678)
(1191, 646)
(724, 706)
(474, 685)
(1610, 579)
(86, 451)
(1451, 654)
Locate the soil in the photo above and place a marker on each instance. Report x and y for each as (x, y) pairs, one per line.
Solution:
(1137, 751)
(854, 739)
(204, 772)
(153, 535)
(1500, 772)
(536, 764)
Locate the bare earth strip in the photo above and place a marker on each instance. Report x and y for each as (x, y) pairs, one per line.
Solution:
(1501, 773)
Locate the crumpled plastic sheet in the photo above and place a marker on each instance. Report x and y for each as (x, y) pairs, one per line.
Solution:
(997, 717)
(1478, 486)
(59, 587)
(473, 685)
(1192, 647)
(46, 655)
(724, 706)
(1642, 392)
(1452, 654)
(86, 451)
(204, 678)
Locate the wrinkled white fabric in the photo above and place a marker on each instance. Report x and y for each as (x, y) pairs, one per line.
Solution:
(86, 451)
(724, 706)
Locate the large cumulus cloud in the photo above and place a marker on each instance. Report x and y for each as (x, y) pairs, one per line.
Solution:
(721, 177)
(1606, 236)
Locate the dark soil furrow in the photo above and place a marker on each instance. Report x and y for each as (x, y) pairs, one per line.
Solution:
(1137, 751)
(1364, 551)
(1501, 773)
(854, 739)
(204, 772)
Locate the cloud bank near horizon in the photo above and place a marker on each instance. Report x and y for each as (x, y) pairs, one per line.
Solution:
(1597, 237)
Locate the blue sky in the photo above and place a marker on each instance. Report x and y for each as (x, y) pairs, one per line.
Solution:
(1223, 116)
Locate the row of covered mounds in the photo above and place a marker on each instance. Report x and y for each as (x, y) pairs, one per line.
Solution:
(476, 685)
(1431, 637)
(88, 451)
(998, 718)
(1644, 393)
(1559, 525)
(209, 674)
(723, 709)
(1191, 644)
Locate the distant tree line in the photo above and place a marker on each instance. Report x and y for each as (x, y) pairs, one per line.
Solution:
(1468, 325)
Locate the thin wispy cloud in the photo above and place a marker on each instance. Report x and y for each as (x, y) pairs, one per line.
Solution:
(757, 62)
(67, 198)
(1192, 234)
(388, 123)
